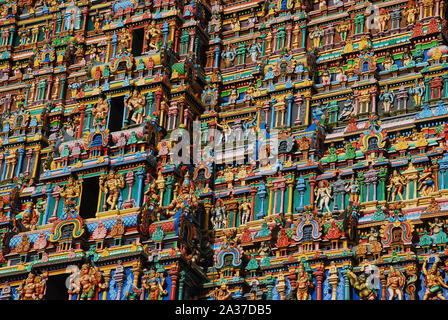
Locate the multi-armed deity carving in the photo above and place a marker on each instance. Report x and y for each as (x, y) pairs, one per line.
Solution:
(433, 280)
(87, 283)
(395, 283)
(361, 285)
(219, 215)
(33, 287)
(111, 186)
(304, 283)
(154, 282)
(70, 193)
(100, 112)
(153, 36)
(135, 103)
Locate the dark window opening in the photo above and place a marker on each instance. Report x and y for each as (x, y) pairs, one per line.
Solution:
(116, 113)
(307, 233)
(89, 198)
(137, 41)
(56, 289)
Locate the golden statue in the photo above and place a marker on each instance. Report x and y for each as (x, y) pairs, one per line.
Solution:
(124, 40)
(111, 186)
(434, 282)
(33, 288)
(71, 192)
(135, 103)
(153, 34)
(303, 283)
(222, 293)
(28, 217)
(419, 138)
(88, 281)
(410, 12)
(395, 282)
(154, 283)
(397, 182)
(101, 111)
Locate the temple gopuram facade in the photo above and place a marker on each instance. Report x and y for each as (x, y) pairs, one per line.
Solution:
(223, 150)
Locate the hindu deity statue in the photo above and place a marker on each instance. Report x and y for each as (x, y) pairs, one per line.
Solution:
(395, 283)
(184, 204)
(426, 181)
(111, 187)
(28, 217)
(124, 40)
(87, 283)
(71, 192)
(323, 196)
(434, 281)
(219, 218)
(419, 138)
(397, 182)
(153, 36)
(135, 103)
(100, 112)
(222, 293)
(304, 283)
(245, 210)
(344, 28)
(417, 93)
(154, 283)
(33, 287)
(361, 285)
(383, 19)
(388, 61)
(152, 204)
(410, 13)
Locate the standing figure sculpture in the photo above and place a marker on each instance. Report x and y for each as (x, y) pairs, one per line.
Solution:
(86, 284)
(185, 203)
(135, 103)
(100, 112)
(111, 188)
(70, 193)
(397, 182)
(222, 293)
(153, 35)
(154, 283)
(426, 182)
(219, 216)
(245, 210)
(434, 282)
(323, 196)
(395, 283)
(304, 283)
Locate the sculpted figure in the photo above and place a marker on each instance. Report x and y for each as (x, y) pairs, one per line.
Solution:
(417, 93)
(135, 103)
(323, 196)
(219, 218)
(125, 39)
(304, 283)
(154, 283)
(28, 217)
(426, 182)
(88, 281)
(383, 18)
(100, 112)
(434, 282)
(71, 192)
(222, 293)
(153, 35)
(410, 12)
(245, 210)
(111, 188)
(397, 182)
(395, 283)
(33, 287)
(184, 204)
(361, 285)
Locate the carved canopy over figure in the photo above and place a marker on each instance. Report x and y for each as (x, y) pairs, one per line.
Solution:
(111, 188)
(135, 103)
(33, 288)
(88, 281)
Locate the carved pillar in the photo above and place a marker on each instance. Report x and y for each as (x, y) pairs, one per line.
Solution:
(319, 274)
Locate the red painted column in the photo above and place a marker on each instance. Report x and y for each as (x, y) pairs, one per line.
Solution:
(174, 273)
(319, 274)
